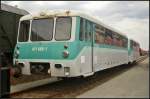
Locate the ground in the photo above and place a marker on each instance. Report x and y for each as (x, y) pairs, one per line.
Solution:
(133, 83)
(121, 81)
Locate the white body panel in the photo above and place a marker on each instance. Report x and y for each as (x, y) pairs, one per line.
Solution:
(103, 58)
(107, 58)
(82, 65)
(134, 56)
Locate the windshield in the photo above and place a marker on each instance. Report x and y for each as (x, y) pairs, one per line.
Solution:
(42, 29)
(63, 28)
(24, 31)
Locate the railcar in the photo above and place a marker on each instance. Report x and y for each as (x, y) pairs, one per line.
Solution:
(143, 52)
(134, 51)
(68, 44)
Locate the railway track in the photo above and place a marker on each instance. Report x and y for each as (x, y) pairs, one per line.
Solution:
(72, 87)
(21, 87)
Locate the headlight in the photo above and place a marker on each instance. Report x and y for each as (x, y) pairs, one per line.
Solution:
(17, 53)
(65, 54)
(16, 62)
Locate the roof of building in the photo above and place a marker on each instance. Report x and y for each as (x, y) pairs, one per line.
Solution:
(52, 13)
(13, 9)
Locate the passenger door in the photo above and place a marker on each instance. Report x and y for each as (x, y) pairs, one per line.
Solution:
(92, 44)
(89, 47)
(86, 42)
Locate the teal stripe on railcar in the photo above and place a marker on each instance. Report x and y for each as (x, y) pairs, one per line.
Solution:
(51, 50)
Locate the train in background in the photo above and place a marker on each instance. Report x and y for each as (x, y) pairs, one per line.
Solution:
(70, 44)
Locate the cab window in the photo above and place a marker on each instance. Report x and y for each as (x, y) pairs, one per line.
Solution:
(24, 31)
(42, 29)
(63, 28)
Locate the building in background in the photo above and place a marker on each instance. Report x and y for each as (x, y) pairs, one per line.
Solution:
(9, 19)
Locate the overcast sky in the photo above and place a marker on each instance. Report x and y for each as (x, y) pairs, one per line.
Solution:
(129, 17)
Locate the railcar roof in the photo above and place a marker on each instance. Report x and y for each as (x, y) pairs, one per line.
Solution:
(8, 8)
(52, 13)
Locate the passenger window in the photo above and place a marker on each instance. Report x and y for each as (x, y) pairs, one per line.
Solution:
(124, 42)
(120, 41)
(99, 34)
(108, 37)
(115, 40)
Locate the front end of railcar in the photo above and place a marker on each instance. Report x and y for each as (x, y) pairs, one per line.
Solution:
(47, 44)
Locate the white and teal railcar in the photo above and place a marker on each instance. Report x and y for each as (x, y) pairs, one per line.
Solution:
(134, 50)
(68, 44)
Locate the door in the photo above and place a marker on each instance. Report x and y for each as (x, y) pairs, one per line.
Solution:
(86, 40)
(89, 42)
(92, 46)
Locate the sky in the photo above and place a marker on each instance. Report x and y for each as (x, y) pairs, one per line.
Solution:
(129, 17)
